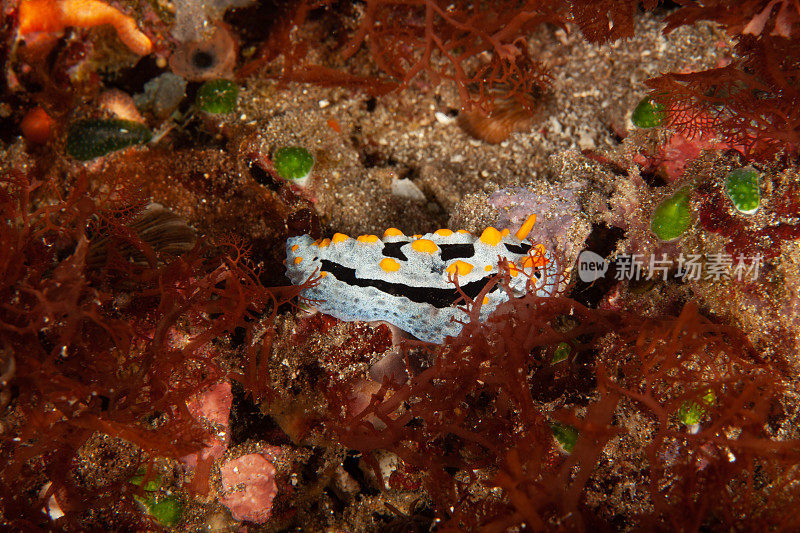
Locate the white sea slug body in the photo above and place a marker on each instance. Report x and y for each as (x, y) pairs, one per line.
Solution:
(409, 281)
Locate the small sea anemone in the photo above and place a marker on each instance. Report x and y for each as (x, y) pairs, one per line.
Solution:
(206, 59)
(496, 126)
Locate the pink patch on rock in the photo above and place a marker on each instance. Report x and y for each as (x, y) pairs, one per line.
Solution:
(213, 405)
(212, 450)
(248, 485)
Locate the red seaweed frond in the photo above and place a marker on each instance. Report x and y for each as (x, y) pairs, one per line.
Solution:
(476, 426)
(751, 104)
(607, 20)
(478, 46)
(779, 18)
(109, 347)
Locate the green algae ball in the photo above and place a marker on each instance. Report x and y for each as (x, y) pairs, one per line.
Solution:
(217, 96)
(648, 114)
(742, 188)
(167, 511)
(565, 435)
(691, 412)
(673, 216)
(88, 139)
(293, 163)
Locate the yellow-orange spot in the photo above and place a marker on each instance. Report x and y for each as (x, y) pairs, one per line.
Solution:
(297, 247)
(417, 236)
(491, 236)
(459, 267)
(462, 231)
(505, 232)
(425, 245)
(513, 270)
(389, 264)
(392, 232)
(52, 16)
(339, 237)
(485, 300)
(526, 228)
(368, 239)
(323, 274)
(488, 268)
(298, 260)
(443, 232)
(324, 243)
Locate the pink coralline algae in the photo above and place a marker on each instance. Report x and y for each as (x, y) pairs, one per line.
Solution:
(555, 208)
(248, 487)
(212, 407)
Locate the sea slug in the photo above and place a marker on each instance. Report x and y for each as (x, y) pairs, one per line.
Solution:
(410, 282)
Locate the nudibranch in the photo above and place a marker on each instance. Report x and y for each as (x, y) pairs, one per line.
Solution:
(418, 283)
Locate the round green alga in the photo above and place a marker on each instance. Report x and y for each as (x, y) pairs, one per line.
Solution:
(293, 163)
(743, 189)
(648, 114)
(217, 96)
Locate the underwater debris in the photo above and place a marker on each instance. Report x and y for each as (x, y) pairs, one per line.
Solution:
(162, 95)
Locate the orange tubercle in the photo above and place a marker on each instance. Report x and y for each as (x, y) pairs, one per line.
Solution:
(54, 15)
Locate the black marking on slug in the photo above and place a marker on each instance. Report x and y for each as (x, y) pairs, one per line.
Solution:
(437, 297)
(521, 249)
(392, 249)
(454, 251)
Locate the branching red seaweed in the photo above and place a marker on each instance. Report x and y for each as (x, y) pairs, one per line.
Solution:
(470, 422)
(113, 349)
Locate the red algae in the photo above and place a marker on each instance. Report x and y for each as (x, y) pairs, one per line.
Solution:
(80, 368)
(150, 350)
(473, 411)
